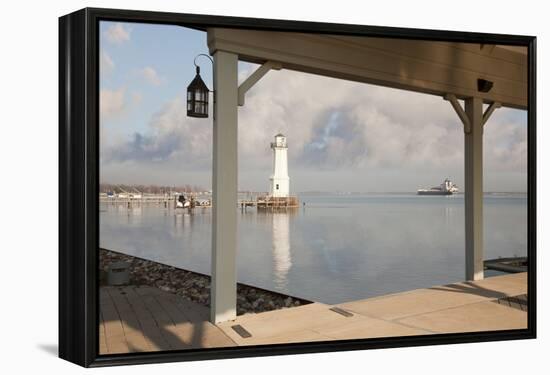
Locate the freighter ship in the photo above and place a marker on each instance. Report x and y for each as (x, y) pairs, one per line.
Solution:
(446, 188)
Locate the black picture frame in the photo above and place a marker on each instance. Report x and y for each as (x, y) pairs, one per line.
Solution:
(79, 185)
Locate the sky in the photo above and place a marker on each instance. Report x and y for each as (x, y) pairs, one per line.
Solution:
(342, 136)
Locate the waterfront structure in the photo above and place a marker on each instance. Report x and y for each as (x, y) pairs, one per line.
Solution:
(452, 70)
(442, 311)
(279, 181)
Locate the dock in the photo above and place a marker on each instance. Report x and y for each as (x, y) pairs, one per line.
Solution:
(267, 202)
(135, 318)
(166, 201)
(509, 265)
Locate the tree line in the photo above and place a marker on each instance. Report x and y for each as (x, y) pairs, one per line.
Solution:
(149, 189)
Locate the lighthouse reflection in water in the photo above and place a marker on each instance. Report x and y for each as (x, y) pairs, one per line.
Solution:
(282, 259)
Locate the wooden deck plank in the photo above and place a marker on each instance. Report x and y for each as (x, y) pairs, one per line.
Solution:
(114, 332)
(148, 324)
(197, 332)
(133, 331)
(181, 326)
(150, 319)
(103, 348)
(163, 320)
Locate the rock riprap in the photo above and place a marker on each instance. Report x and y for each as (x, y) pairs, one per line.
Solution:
(193, 286)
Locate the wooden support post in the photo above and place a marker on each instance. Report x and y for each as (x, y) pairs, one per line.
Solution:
(223, 299)
(473, 189)
(473, 118)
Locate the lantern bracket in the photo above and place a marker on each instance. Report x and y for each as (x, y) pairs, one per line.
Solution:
(204, 55)
(198, 67)
(255, 77)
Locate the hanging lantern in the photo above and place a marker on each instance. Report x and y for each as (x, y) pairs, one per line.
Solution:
(197, 97)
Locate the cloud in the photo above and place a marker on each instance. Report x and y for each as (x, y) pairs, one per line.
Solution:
(332, 125)
(117, 33)
(335, 124)
(112, 103)
(505, 141)
(106, 64)
(150, 75)
(173, 137)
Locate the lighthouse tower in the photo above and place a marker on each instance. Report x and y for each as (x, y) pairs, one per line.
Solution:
(279, 180)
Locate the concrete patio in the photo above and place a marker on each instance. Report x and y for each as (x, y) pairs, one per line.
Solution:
(147, 319)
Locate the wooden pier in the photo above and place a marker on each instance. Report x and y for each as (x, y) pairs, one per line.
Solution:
(270, 203)
(260, 201)
(509, 265)
(165, 201)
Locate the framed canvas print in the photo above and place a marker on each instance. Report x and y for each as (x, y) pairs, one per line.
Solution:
(244, 187)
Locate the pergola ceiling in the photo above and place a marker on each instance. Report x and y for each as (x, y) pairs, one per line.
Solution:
(431, 67)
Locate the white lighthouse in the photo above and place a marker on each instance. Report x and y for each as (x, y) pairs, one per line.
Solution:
(279, 180)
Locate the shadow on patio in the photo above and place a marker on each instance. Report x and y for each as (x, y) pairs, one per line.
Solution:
(143, 318)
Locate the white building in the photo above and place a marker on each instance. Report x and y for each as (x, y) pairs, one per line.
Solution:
(279, 180)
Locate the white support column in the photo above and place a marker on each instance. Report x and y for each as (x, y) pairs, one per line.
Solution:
(223, 297)
(473, 189)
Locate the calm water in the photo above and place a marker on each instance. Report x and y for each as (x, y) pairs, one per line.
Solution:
(338, 248)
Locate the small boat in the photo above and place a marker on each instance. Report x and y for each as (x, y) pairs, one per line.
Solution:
(186, 204)
(202, 202)
(183, 202)
(446, 188)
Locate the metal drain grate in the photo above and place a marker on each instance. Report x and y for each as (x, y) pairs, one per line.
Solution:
(340, 311)
(241, 331)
